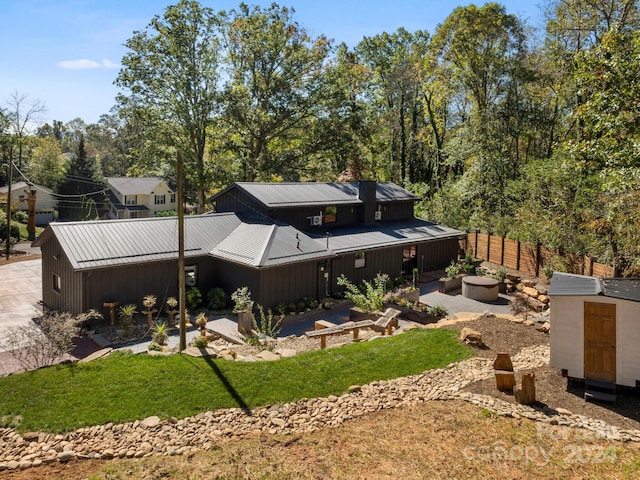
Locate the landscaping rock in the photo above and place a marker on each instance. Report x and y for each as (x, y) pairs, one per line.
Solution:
(151, 422)
(471, 337)
(268, 356)
(530, 291)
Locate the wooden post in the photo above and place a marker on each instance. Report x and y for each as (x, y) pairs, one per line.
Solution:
(537, 259)
(488, 247)
(475, 252)
(526, 395)
(504, 234)
(182, 295)
(31, 209)
(518, 255)
(503, 370)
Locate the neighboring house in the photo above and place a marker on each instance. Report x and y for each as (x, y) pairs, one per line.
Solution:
(267, 239)
(133, 197)
(46, 202)
(595, 328)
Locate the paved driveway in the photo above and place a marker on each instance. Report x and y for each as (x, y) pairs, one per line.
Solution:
(20, 291)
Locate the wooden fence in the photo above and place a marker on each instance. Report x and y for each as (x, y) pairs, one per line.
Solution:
(530, 258)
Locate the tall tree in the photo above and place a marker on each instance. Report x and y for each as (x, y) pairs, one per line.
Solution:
(275, 86)
(171, 74)
(24, 114)
(82, 189)
(484, 48)
(395, 60)
(47, 164)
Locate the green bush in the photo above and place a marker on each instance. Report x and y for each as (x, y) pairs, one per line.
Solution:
(438, 311)
(281, 309)
(369, 296)
(194, 297)
(19, 216)
(217, 299)
(200, 342)
(452, 270)
(242, 300)
(15, 230)
(154, 347)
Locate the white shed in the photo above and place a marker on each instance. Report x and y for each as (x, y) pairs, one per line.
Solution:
(595, 328)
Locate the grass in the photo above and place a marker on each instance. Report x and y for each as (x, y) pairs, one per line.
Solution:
(124, 387)
(24, 234)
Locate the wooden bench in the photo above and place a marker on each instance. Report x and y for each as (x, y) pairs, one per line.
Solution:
(324, 329)
(387, 322)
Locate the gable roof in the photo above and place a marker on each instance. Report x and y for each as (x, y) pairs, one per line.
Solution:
(134, 185)
(291, 194)
(23, 185)
(567, 284)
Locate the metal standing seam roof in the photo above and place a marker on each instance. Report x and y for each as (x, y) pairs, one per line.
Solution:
(361, 237)
(134, 185)
(291, 194)
(267, 245)
(109, 243)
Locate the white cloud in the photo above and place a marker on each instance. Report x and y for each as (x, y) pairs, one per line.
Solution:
(86, 64)
(109, 64)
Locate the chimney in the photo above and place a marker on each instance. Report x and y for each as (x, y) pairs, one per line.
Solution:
(367, 193)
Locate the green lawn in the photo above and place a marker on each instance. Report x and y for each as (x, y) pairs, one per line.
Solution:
(124, 387)
(24, 234)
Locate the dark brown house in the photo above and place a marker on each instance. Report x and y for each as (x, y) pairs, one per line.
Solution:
(284, 241)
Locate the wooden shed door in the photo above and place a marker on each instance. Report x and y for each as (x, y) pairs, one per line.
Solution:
(600, 341)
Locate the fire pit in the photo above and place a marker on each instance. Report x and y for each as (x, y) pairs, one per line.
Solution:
(484, 289)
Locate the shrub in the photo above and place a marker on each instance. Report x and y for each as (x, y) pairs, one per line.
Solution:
(14, 232)
(266, 331)
(292, 308)
(200, 342)
(242, 300)
(160, 333)
(369, 297)
(217, 298)
(452, 270)
(281, 309)
(501, 274)
(154, 347)
(194, 297)
(547, 270)
(20, 216)
(40, 344)
(438, 311)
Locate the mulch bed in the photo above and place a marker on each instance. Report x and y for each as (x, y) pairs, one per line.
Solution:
(552, 390)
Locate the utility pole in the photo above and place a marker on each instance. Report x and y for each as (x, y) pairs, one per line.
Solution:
(31, 209)
(8, 245)
(181, 277)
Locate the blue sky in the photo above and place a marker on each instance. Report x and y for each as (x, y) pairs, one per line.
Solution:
(66, 53)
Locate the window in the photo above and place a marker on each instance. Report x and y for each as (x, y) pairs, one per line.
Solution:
(191, 275)
(172, 198)
(130, 199)
(133, 215)
(360, 260)
(159, 200)
(330, 214)
(57, 283)
(409, 260)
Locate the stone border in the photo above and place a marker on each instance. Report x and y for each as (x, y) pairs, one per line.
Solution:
(187, 436)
